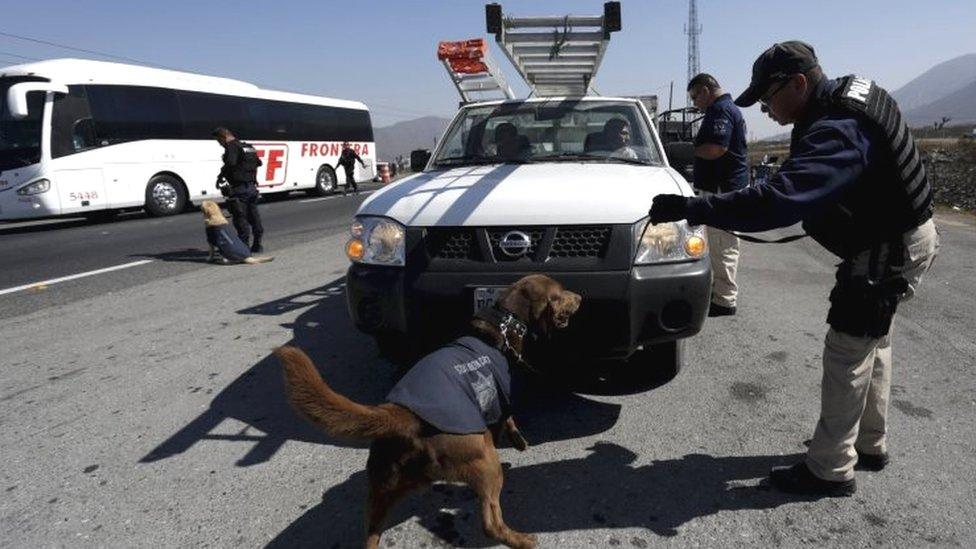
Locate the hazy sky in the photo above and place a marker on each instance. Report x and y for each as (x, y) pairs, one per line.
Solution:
(383, 52)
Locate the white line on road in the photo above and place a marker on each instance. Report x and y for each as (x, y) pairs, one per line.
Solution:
(331, 197)
(74, 276)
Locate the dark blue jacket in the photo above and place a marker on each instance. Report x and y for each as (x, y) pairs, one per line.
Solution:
(723, 125)
(837, 181)
(225, 239)
(461, 388)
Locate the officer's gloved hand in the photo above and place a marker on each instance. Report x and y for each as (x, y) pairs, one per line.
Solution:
(668, 207)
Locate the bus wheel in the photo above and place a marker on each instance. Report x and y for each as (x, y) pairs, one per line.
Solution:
(325, 181)
(165, 195)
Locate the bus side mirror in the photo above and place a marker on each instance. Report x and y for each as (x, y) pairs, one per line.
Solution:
(681, 156)
(17, 95)
(419, 159)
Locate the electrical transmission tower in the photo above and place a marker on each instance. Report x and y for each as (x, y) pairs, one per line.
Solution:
(692, 29)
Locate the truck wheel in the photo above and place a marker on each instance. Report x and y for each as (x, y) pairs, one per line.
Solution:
(325, 181)
(165, 195)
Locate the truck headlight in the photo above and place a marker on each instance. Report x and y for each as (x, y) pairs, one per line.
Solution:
(377, 241)
(664, 242)
(37, 187)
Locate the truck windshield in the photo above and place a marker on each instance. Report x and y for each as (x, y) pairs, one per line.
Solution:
(556, 131)
(20, 138)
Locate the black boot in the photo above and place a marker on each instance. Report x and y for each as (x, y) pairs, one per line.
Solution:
(720, 310)
(871, 462)
(799, 480)
(257, 248)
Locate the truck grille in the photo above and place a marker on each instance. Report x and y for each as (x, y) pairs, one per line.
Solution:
(545, 244)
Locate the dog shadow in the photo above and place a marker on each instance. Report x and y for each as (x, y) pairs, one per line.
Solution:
(602, 490)
(186, 255)
(350, 362)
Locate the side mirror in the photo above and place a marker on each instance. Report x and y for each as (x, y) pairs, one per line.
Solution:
(419, 159)
(17, 95)
(681, 156)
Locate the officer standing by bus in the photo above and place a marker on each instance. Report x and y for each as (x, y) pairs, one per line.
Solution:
(238, 183)
(855, 180)
(347, 159)
(721, 166)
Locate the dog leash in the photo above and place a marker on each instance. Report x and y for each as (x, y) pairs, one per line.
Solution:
(791, 238)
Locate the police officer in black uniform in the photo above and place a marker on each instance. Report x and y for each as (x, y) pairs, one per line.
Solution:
(347, 159)
(855, 180)
(238, 182)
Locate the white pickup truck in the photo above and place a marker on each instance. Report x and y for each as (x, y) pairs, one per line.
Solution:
(560, 186)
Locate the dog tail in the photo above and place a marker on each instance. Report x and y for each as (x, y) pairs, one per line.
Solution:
(312, 398)
(259, 259)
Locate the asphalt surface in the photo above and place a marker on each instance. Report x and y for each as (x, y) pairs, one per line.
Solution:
(142, 407)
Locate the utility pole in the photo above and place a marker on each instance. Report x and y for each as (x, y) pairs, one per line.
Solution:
(692, 29)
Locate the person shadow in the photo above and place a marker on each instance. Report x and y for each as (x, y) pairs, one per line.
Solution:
(186, 255)
(602, 490)
(255, 407)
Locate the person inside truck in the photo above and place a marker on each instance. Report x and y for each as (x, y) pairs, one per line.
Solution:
(509, 144)
(615, 139)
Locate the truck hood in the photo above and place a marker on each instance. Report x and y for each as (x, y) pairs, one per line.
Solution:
(525, 194)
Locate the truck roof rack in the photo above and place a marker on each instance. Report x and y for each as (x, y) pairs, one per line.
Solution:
(473, 70)
(555, 55)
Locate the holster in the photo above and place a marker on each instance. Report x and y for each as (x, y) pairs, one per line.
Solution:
(862, 307)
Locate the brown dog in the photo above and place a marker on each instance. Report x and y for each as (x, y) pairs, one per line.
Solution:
(223, 239)
(409, 450)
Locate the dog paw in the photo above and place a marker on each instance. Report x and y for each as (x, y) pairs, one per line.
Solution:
(526, 541)
(518, 441)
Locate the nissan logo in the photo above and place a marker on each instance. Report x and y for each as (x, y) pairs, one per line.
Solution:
(515, 243)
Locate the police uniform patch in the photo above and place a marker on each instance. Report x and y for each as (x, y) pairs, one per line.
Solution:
(720, 127)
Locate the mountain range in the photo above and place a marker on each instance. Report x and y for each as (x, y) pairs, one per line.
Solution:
(403, 137)
(946, 90)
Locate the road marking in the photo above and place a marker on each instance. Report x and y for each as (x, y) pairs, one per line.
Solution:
(45, 283)
(332, 197)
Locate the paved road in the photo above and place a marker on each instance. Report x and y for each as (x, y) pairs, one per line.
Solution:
(37, 251)
(144, 410)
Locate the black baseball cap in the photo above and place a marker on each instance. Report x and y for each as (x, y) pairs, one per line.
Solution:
(778, 62)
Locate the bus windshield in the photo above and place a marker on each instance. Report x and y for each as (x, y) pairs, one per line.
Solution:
(557, 131)
(20, 138)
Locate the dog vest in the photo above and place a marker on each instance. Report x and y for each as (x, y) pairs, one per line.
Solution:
(461, 388)
(865, 98)
(227, 242)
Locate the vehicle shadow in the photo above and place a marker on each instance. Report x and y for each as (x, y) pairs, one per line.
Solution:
(601, 490)
(351, 364)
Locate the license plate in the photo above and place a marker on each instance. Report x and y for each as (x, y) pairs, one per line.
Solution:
(486, 297)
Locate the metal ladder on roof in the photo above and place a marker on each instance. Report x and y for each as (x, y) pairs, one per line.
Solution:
(473, 71)
(555, 55)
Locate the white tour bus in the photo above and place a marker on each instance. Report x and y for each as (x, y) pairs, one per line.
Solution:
(80, 136)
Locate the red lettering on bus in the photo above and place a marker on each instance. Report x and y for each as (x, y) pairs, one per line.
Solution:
(365, 150)
(313, 149)
(274, 162)
(356, 147)
(335, 149)
(304, 148)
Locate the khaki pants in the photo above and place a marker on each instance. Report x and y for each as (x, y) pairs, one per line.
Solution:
(723, 251)
(856, 381)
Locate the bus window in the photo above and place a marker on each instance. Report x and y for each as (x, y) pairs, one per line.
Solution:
(202, 112)
(130, 113)
(72, 128)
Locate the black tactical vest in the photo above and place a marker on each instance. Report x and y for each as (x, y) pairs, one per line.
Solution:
(246, 170)
(868, 100)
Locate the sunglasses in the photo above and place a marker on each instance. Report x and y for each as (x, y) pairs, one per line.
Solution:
(768, 96)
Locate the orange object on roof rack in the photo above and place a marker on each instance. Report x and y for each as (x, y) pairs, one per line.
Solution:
(465, 56)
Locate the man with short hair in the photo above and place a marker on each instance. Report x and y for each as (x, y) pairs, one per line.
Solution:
(238, 183)
(721, 166)
(616, 138)
(855, 180)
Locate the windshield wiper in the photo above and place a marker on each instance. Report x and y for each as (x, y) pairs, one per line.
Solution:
(479, 160)
(593, 157)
